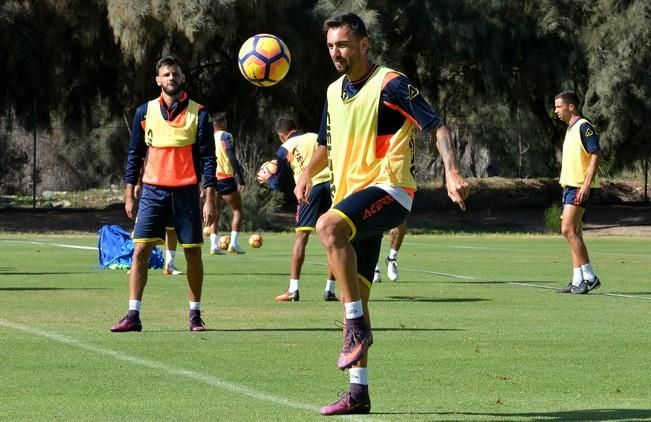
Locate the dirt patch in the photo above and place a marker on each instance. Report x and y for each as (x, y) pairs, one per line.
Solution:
(495, 205)
(624, 220)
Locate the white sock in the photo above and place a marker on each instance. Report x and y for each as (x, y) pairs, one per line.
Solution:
(587, 271)
(354, 309)
(577, 276)
(134, 305)
(377, 268)
(234, 236)
(195, 306)
(293, 285)
(213, 240)
(358, 376)
(330, 286)
(393, 254)
(169, 257)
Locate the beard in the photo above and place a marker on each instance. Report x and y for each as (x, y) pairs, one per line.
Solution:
(342, 67)
(172, 91)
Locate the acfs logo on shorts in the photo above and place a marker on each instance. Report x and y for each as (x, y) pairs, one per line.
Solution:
(377, 206)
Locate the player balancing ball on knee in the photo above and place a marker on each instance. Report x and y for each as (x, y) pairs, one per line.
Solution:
(255, 240)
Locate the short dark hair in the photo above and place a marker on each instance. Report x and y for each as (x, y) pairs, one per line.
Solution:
(167, 61)
(568, 97)
(219, 118)
(285, 125)
(355, 23)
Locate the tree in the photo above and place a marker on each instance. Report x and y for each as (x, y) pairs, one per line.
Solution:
(618, 97)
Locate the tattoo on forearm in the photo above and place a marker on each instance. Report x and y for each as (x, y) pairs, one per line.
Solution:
(444, 145)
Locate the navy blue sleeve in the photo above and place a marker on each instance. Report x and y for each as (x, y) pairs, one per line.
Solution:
(283, 174)
(400, 93)
(137, 147)
(322, 138)
(589, 138)
(206, 149)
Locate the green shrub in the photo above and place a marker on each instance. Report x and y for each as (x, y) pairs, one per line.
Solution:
(259, 208)
(553, 218)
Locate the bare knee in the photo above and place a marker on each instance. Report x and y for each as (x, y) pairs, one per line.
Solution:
(141, 252)
(333, 231)
(569, 231)
(301, 237)
(192, 254)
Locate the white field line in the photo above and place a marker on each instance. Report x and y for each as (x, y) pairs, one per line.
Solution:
(459, 276)
(179, 372)
(488, 248)
(60, 245)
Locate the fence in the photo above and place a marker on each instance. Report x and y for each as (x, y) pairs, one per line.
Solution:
(85, 168)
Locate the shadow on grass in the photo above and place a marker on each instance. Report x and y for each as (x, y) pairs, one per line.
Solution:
(427, 299)
(36, 289)
(45, 272)
(626, 293)
(304, 330)
(225, 273)
(570, 415)
(532, 282)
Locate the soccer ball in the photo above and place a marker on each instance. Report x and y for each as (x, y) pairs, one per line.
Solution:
(206, 231)
(255, 240)
(270, 167)
(223, 242)
(264, 59)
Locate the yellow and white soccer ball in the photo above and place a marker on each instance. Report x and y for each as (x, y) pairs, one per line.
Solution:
(264, 60)
(255, 240)
(223, 242)
(267, 169)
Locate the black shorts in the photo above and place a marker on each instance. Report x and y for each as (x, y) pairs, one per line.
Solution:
(319, 202)
(226, 186)
(159, 206)
(370, 212)
(568, 197)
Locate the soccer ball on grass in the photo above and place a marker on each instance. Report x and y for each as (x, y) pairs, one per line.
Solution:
(224, 242)
(255, 240)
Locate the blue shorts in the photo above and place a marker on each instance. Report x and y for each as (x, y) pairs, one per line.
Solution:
(319, 202)
(370, 212)
(568, 197)
(226, 186)
(160, 204)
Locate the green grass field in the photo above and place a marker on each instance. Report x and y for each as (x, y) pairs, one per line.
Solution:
(472, 331)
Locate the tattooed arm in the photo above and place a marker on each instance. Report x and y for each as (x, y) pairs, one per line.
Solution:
(458, 188)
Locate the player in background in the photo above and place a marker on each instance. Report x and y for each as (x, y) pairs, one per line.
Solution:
(175, 135)
(580, 162)
(396, 235)
(292, 156)
(230, 183)
(367, 141)
(171, 242)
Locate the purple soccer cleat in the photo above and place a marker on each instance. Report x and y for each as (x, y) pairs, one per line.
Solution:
(356, 342)
(196, 323)
(348, 405)
(127, 324)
